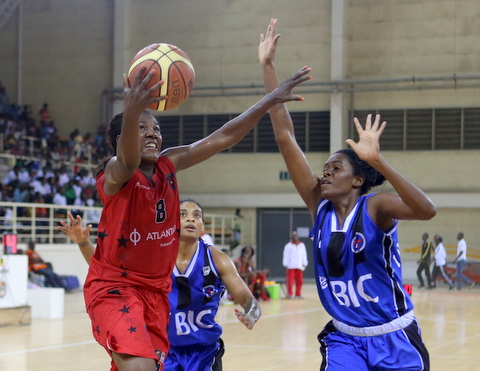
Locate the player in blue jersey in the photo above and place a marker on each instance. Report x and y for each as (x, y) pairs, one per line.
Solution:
(199, 279)
(356, 251)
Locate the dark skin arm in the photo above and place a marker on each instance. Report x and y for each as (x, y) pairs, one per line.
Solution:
(79, 234)
(237, 288)
(227, 270)
(410, 202)
(233, 131)
(305, 180)
(121, 167)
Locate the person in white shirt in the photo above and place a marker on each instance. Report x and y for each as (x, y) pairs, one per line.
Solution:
(440, 262)
(28, 176)
(295, 260)
(207, 239)
(12, 175)
(461, 261)
(60, 199)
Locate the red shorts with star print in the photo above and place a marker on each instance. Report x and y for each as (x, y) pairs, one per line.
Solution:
(132, 321)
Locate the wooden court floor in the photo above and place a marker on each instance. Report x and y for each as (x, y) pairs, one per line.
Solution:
(283, 339)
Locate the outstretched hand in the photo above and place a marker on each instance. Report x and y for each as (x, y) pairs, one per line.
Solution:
(268, 44)
(75, 230)
(138, 95)
(245, 318)
(284, 93)
(368, 147)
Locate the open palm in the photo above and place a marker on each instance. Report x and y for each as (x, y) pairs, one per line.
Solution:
(368, 147)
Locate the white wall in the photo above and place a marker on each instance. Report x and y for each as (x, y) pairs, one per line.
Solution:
(67, 62)
(65, 258)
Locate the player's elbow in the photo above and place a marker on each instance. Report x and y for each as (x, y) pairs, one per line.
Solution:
(428, 212)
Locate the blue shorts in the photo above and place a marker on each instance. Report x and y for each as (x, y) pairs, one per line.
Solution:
(398, 350)
(196, 357)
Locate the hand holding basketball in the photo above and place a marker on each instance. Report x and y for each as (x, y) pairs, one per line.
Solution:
(172, 66)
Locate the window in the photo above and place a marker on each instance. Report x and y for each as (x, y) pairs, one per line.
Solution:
(423, 129)
(429, 129)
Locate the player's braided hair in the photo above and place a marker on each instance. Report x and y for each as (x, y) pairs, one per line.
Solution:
(362, 168)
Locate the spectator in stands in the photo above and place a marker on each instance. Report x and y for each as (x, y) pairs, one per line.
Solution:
(20, 193)
(86, 179)
(62, 176)
(253, 278)
(52, 184)
(41, 186)
(77, 187)
(60, 199)
(11, 179)
(4, 100)
(3, 193)
(81, 201)
(92, 215)
(48, 170)
(41, 214)
(38, 266)
(70, 192)
(28, 176)
(44, 113)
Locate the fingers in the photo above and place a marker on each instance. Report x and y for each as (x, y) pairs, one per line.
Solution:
(382, 128)
(351, 143)
(302, 72)
(376, 127)
(147, 78)
(368, 123)
(138, 75)
(358, 126)
(70, 217)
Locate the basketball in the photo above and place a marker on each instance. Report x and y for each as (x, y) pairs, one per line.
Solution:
(173, 66)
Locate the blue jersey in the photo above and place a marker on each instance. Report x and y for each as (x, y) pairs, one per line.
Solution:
(194, 301)
(358, 268)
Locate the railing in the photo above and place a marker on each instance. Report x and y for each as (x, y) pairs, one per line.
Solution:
(21, 218)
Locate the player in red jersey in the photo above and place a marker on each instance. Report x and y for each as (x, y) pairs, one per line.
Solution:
(129, 276)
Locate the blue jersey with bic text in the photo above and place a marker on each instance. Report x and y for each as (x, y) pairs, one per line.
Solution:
(194, 301)
(358, 267)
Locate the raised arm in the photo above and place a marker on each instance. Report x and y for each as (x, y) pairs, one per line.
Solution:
(303, 177)
(79, 234)
(238, 289)
(234, 130)
(410, 202)
(137, 97)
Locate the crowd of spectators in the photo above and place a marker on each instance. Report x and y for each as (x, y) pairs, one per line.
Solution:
(23, 135)
(43, 170)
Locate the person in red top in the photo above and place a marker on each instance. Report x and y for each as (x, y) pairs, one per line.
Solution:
(253, 278)
(129, 276)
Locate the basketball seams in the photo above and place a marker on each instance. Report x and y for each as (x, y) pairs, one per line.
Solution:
(173, 67)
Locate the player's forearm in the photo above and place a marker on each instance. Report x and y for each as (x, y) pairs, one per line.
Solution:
(87, 249)
(410, 194)
(253, 309)
(281, 120)
(270, 78)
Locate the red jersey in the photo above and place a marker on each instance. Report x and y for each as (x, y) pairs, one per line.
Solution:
(138, 233)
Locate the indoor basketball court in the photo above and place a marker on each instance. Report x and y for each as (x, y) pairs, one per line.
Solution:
(285, 338)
